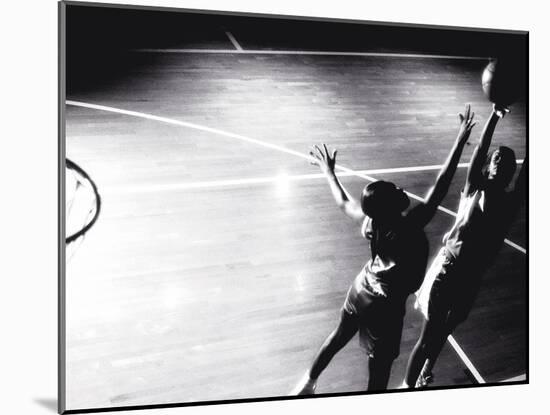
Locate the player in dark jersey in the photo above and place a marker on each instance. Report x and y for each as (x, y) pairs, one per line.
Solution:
(451, 285)
(375, 303)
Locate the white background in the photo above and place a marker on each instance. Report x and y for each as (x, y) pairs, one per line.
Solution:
(28, 227)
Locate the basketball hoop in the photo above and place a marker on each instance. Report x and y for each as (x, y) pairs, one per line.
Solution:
(82, 203)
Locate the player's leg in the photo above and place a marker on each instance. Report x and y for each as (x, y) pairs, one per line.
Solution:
(433, 349)
(459, 308)
(434, 332)
(342, 334)
(427, 348)
(417, 359)
(379, 372)
(445, 314)
(457, 314)
(345, 330)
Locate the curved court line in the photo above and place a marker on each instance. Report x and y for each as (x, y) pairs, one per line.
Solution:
(309, 52)
(350, 172)
(276, 147)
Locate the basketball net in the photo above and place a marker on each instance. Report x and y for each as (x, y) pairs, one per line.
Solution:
(82, 206)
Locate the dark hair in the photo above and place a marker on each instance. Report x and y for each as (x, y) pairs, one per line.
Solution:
(509, 164)
(382, 198)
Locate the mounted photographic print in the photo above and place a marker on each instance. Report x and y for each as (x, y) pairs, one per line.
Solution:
(259, 207)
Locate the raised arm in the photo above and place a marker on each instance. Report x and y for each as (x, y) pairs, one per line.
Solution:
(326, 162)
(436, 194)
(520, 187)
(479, 156)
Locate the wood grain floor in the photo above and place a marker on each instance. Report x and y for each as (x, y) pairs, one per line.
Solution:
(226, 292)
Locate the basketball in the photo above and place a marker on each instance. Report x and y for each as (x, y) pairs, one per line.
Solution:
(501, 82)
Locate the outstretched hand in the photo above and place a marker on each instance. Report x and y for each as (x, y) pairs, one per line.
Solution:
(466, 125)
(500, 110)
(323, 158)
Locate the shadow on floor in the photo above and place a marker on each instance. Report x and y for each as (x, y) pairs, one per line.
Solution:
(48, 403)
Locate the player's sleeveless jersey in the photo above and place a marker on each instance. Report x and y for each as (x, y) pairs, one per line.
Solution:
(379, 292)
(398, 259)
(478, 231)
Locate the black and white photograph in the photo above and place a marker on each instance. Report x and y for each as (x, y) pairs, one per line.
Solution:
(260, 207)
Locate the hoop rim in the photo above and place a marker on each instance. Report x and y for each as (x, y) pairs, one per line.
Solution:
(72, 165)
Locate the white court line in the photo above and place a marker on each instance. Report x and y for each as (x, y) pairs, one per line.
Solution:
(351, 172)
(253, 141)
(310, 52)
(233, 41)
(465, 359)
(262, 180)
(415, 168)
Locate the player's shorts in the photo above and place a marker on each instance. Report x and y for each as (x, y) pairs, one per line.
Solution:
(450, 290)
(380, 320)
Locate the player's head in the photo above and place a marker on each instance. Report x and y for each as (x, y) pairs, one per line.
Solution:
(382, 199)
(502, 166)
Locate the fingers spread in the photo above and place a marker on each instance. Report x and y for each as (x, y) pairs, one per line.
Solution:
(319, 152)
(323, 154)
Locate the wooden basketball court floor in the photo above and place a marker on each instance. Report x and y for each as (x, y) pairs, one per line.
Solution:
(220, 261)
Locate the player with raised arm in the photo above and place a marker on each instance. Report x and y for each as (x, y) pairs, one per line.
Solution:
(375, 302)
(451, 285)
